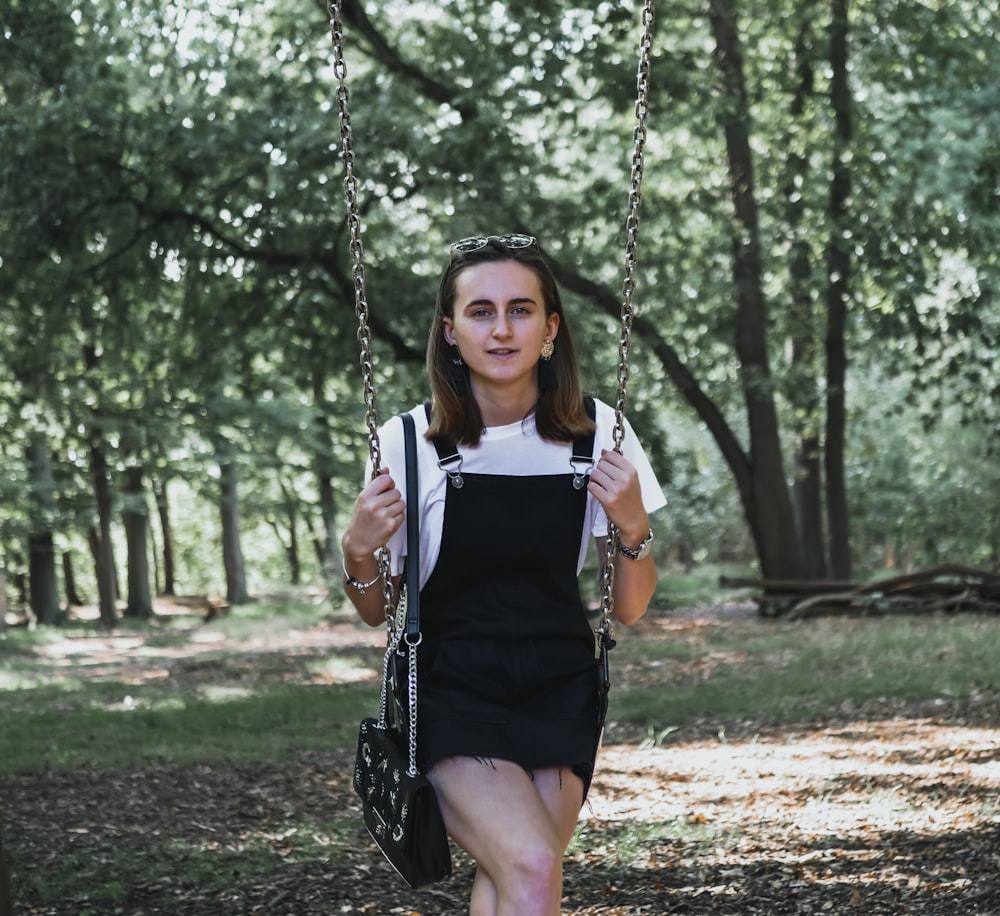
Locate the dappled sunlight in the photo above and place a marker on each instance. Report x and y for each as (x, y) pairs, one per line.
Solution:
(225, 693)
(871, 776)
(342, 670)
(91, 647)
(191, 649)
(865, 804)
(867, 797)
(207, 636)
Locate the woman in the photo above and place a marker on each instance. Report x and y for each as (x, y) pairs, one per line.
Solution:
(507, 687)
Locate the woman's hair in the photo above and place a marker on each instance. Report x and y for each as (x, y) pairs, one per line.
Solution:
(560, 415)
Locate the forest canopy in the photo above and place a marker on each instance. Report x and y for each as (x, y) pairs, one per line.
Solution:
(817, 319)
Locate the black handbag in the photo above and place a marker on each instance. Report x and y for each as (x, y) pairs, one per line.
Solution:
(400, 807)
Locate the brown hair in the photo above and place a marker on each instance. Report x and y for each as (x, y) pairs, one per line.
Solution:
(455, 417)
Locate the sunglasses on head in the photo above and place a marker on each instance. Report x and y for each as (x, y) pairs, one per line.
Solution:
(513, 241)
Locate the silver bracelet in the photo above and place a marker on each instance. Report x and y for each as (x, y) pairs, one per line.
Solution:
(361, 587)
(641, 550)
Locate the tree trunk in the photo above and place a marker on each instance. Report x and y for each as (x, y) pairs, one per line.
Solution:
(20, 580)
(73, 598)
(707, 410)
(135, 518)
(104, 556)
(768, 503)
(232, 551)
(328, 544)
(839, 268)
(292, 548)
(154, 556)
(807, 493)
(6, 898)
(43, 586)
(294, 563)
(163, 511)
(803, 393)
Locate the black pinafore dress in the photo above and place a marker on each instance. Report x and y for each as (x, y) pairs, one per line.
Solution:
(506, 665)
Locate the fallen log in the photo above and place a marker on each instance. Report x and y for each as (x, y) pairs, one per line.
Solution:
(947, 588)
(780, 586)
(925, 576)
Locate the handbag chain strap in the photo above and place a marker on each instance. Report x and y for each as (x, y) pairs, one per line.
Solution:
(410, 624)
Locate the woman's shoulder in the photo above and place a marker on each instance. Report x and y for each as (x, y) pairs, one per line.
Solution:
(394, 425)
(421, 414)
(605, 419)
(604, 413)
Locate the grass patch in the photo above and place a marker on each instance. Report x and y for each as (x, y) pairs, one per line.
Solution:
(778, 672)
(222, 705)
(104, 730)
(627, 845)
(699, 585)
(185, 699)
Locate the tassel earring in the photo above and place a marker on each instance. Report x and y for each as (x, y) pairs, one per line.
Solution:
(547, 379)
(458, 373)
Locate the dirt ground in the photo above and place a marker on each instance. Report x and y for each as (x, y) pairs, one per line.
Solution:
(885, 809)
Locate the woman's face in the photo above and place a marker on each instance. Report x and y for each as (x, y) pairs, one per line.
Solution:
(500, 323)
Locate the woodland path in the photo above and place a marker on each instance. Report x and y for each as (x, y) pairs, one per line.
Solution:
(889, 808)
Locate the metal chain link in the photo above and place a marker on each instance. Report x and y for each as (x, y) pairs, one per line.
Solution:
(354, 224)
(628, 291)
(395, 623)
(411, 694)
(358, 274)
(628, 288)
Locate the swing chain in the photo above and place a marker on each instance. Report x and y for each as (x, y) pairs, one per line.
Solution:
(628, 285)
(354, 224)
(358, 275)
(632, 222)
(628, 291)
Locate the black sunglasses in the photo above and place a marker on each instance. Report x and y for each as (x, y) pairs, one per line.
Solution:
(513, 241)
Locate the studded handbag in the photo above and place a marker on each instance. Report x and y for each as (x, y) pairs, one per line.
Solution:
(399, 805)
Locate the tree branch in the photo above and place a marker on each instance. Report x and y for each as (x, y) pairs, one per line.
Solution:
(676, 370)
(389, 58)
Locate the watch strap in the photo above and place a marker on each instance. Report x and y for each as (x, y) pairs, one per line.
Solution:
(641, 549)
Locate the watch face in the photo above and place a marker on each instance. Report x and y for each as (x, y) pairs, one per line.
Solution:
(640, 551)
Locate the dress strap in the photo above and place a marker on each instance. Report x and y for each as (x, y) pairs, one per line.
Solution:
(449, 457)
(581, 459)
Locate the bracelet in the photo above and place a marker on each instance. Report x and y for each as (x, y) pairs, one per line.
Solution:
(641, 550)
(361, 587)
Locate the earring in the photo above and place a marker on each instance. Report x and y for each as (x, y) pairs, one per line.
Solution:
(458, 373)
(547, 378)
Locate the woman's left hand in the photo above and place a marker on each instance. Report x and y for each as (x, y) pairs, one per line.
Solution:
(614, 482)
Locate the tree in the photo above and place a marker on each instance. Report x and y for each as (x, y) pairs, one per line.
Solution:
(176, 272)
(6, 906)
(41, 547)
(806, 106)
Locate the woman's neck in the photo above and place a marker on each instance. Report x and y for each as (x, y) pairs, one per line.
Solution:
(500, 407)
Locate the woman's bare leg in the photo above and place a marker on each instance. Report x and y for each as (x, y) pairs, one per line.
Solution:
(515, 825)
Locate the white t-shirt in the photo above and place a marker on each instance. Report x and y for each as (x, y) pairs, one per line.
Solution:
(514, 450)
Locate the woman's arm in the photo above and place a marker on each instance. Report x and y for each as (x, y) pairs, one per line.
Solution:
(614, 482)
(635, 582)
(378, 512)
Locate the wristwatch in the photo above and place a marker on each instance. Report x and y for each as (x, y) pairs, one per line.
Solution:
(641, 550)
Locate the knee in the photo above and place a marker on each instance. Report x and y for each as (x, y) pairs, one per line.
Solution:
(534, 878)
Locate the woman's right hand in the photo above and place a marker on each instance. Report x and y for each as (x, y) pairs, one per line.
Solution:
(378, 512)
